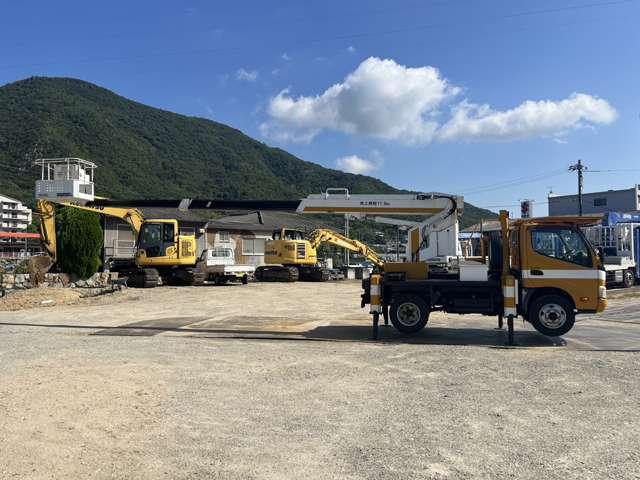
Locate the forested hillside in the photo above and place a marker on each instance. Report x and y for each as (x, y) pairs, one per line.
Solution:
(145, 152)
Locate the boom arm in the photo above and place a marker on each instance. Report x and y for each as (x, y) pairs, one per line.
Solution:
(47, 211)
(323, 235)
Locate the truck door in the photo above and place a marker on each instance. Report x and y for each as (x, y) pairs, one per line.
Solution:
(559, 257)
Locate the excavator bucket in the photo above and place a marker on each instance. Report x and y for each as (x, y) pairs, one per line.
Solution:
(38, 267)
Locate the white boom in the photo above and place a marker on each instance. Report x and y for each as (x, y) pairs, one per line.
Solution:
(434, 238)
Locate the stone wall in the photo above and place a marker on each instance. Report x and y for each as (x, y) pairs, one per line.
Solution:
(20, 281)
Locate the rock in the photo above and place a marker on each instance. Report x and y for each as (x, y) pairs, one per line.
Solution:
(8, 278)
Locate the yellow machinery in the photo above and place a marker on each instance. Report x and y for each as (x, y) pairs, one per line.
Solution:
(290, 256)
(161, 250)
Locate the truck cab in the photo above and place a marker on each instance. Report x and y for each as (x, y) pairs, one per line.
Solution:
(557, 272)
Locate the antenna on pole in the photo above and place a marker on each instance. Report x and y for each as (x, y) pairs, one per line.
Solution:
(579, 167)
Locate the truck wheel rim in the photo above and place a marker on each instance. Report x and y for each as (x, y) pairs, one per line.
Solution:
(408, 314)
(552, 316)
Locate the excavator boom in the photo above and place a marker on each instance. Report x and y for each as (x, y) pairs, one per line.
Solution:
(323, 235)
(47, 212)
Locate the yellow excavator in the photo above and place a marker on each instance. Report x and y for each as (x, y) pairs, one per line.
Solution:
(161, 251)
(290, 256)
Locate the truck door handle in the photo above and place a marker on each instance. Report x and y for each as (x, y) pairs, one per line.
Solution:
(536, 272)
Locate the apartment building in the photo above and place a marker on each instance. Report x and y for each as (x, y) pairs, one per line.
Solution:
(14, 216)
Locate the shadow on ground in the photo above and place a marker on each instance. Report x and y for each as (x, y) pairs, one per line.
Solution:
(434, 335)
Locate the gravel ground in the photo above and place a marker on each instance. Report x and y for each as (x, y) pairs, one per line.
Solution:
(280, 381)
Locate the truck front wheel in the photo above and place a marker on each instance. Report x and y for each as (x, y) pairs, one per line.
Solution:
(409, 313)
(552, 315)
(628, 278)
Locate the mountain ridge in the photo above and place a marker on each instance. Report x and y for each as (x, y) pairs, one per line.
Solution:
(147, 152)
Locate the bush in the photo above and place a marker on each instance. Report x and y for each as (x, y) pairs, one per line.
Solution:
(80, 241)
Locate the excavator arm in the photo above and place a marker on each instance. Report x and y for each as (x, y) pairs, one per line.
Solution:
(47, 211)
(323, 235)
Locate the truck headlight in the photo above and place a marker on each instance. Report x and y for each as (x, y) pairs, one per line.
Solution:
(602, 292)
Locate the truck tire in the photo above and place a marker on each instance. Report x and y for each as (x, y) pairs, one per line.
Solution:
(409, 313)
(628, 278)
(245, 279)
(552, 315)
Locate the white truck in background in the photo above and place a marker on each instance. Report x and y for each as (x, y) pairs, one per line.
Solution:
(218, 265)
(618, 240)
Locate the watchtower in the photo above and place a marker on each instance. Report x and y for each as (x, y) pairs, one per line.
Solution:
(66, 180)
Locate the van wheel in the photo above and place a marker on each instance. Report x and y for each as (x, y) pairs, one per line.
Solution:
(552, 315)
(409, 313)
(628, 278)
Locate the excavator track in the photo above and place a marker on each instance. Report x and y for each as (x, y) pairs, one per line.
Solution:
(314, 274)
(276, 273)
(143, 278)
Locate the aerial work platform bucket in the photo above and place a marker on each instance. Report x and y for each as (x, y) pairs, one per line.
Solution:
(65, 180)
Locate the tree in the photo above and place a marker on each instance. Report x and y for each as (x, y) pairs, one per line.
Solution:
(80, 241)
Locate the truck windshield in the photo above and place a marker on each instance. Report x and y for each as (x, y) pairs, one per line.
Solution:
(221, 252)
(563, 244)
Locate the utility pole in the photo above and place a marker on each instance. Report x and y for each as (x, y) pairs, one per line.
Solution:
(579, 167)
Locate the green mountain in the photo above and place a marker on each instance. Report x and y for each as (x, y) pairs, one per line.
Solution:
(145, 152)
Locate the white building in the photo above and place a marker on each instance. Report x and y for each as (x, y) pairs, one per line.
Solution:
(14, 217)
(597, 202)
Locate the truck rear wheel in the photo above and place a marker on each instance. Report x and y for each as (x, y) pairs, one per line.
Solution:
(409, 313)
(628, 278)
(552, 315)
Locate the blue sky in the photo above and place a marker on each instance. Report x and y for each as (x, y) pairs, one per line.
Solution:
(450, 96)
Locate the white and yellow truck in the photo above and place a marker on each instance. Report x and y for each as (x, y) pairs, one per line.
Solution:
(541, 269)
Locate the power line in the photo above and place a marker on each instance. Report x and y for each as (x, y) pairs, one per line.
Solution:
(535, 202)
(614, 170)
(325, 39)
(514, 182)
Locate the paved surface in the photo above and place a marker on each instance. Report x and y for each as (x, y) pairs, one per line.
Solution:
(281, 381)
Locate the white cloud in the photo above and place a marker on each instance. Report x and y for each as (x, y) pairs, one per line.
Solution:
(275, 71)
(380, 99)
(356, 164)
(285, 56)
(543, 118)
(351, 49)
(385, 100)
(247, 76)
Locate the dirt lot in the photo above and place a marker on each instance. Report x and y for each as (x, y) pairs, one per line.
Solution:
(281, 381)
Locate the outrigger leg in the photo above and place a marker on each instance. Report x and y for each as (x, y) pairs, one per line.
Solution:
(376, 318)
(510, 341)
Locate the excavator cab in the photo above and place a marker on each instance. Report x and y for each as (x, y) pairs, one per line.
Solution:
(160, 244)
